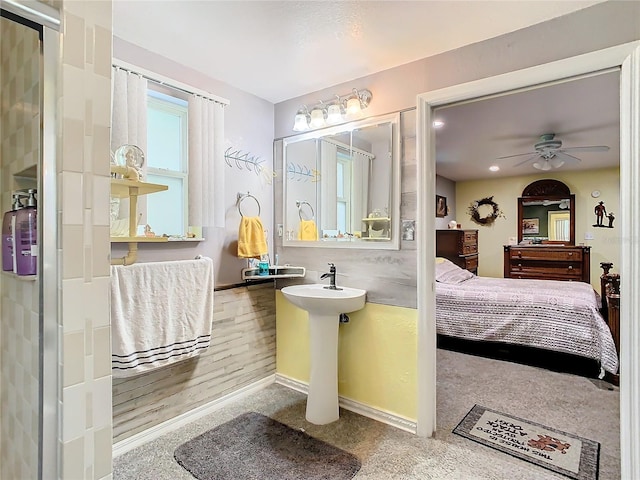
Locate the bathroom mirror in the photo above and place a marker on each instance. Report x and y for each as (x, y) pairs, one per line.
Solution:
(546, 213)
(342, 186)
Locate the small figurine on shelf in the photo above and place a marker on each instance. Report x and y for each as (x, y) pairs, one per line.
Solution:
(148, 232)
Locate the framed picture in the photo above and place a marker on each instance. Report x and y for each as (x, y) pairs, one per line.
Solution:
(530, 225)
(441, 206)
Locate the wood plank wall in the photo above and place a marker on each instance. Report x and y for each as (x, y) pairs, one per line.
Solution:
(242, 351)
(388, 276)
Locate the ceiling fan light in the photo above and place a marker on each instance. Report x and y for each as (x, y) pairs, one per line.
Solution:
(542, 165)
(556, 162)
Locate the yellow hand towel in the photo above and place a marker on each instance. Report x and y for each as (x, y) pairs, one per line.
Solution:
(251, 240)
(308, 230)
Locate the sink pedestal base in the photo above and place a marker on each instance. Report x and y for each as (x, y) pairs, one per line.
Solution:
(322, 401)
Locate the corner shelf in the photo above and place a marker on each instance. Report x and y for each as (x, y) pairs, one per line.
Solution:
(286, 272)
(131, 189)
(386, 229)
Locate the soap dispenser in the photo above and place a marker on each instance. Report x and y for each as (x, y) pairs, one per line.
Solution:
(7, 234)
(26, 237)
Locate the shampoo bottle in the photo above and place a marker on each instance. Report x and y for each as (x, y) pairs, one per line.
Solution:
(7, 234)
(26, 237)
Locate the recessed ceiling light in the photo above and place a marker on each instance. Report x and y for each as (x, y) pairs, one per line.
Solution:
(494, 168)
(438, 124)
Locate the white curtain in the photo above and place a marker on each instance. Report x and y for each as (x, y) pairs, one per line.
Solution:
(206, 162)
(562, 230)
(360, 194)
(328, 188)
(129, 112)
(129, 125)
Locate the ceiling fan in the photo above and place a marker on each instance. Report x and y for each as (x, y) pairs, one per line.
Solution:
(549, 153)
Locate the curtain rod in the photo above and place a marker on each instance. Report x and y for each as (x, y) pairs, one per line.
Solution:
(161, 80)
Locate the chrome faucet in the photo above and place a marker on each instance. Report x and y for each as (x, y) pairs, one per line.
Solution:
(332, 276)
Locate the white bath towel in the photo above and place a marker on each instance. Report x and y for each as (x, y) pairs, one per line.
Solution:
(161, 313)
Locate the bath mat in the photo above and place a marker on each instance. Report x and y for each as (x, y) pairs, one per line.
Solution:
(253, 446)
(560, 452)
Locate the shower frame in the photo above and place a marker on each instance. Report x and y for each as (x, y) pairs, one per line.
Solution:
(46, 19)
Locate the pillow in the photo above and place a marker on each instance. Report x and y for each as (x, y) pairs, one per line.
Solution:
(440, 259)
(449, 272)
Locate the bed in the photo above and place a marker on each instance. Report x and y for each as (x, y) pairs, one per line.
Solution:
(548, 315)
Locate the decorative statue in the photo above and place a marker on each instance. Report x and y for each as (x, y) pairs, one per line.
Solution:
(600, 212)
(611, 219)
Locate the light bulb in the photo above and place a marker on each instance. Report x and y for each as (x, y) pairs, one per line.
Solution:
(542, 165)
(317, 118)
(300, 124)
(334, 115)
(353, 106)
(556, 162)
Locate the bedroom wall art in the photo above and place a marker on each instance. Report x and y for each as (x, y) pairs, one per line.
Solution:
(485, 211)
(441, 206)
(600, 211)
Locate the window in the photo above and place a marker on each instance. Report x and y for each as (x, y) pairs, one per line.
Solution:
(167, 163)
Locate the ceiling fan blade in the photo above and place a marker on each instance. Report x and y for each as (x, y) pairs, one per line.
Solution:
(517, 155)
(527, 160)
(565, 156)
(593, 148)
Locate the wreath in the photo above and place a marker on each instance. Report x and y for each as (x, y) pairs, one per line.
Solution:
(487, 219)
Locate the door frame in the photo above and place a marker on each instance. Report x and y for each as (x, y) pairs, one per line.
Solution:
(626, 56)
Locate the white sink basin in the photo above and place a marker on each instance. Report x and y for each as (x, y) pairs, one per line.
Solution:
(324, 306)
(315, 298)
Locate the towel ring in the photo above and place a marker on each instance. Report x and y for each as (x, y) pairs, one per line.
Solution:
(299, 204)
(242, 197)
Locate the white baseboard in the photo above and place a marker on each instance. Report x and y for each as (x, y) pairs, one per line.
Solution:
(354, 406)
(156, 431)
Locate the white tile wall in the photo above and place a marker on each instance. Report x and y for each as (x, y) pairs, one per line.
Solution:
(83, 190)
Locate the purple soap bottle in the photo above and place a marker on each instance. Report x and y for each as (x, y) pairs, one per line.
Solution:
(26, 237)
(7, 234)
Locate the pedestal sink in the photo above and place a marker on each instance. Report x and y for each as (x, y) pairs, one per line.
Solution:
(324, 306)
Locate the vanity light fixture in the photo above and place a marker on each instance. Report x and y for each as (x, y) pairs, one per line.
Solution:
(317, 117)
(301, 121)
(342, 108)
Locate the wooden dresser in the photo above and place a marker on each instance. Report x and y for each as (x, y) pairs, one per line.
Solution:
(548, 262)
(459, 246)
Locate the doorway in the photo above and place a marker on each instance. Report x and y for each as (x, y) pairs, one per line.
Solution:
(629, 57)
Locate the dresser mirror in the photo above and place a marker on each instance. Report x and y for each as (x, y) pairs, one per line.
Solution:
(341, 186)
(546, 214)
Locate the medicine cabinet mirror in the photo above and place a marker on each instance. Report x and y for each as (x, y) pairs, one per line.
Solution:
(342, 186)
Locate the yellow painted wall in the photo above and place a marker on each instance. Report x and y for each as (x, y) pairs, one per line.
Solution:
(604, 247)
(377, 354)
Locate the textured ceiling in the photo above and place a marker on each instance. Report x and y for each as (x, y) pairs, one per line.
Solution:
(279, 50)
(581, 112)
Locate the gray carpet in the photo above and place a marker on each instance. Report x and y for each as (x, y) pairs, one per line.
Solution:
(567, 402)
(252, 446)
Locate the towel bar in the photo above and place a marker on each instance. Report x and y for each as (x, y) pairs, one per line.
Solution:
(299, 204)
(242, 197)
